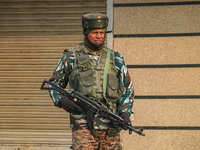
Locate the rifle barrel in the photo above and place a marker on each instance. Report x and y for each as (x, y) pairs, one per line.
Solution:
(89, 104)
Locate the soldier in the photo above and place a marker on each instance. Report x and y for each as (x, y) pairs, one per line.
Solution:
(100, 74)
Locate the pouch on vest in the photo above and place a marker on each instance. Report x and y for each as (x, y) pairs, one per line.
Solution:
(82, 58)
(112, 86)
(87, 79)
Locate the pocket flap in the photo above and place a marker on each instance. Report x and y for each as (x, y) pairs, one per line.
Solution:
(112, 81)
(87, 78)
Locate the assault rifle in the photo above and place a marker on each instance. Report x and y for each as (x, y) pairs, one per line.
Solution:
(88, 104)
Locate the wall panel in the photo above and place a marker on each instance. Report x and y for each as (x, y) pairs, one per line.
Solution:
(147, 1)
(170, 81)
(163, 140)
(166, 112)
(159, 41)
(155, 50)
(157, 19)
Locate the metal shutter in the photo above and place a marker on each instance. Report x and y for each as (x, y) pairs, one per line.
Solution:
(33, 35)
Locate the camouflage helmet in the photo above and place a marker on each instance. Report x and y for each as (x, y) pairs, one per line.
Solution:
(94, 21)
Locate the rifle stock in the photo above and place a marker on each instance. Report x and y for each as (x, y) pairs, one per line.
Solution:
(93, 106)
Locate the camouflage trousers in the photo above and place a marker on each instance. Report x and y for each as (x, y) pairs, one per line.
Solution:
(84, 139)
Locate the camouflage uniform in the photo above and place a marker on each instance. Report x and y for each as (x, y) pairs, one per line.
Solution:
(78, 67)
(104, 140)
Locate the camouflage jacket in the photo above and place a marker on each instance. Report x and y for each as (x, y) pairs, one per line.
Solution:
(60, 78)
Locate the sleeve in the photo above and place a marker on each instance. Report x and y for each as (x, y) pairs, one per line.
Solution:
(60, 76)
(127, 98)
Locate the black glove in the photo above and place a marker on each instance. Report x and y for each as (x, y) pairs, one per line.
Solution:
(126, 120)
(69, 105)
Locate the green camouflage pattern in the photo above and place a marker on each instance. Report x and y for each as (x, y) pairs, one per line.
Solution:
(94, 21)
(89, 79)
(97, 140)
(60, 78)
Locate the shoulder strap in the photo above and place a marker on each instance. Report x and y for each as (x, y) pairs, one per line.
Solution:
(106, 72)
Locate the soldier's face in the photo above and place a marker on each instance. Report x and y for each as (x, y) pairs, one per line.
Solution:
(96, 36)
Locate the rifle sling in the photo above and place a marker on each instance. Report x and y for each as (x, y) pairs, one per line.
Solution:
(105, 77)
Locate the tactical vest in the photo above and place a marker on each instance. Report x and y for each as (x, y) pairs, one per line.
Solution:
(87, 77)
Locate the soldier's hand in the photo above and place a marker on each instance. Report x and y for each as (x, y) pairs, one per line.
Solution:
(126, 120)
(69, 105)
